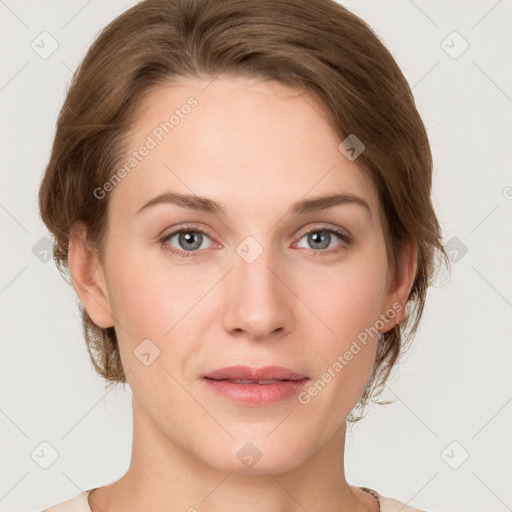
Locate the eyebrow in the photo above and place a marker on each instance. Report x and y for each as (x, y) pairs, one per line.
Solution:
(315, 204)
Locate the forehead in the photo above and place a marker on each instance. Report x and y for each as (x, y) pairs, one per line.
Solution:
(238, 140)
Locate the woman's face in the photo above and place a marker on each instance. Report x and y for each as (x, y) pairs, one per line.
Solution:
(252, 279)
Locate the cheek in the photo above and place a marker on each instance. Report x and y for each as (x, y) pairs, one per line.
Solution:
(148, 297)
(348, 301)
(350, 297)
(158, 308)
(153, 310)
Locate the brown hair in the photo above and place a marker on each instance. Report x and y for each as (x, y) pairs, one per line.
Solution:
(316, 46)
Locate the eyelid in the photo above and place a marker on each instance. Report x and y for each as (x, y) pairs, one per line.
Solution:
(184, 227)
(320, 226)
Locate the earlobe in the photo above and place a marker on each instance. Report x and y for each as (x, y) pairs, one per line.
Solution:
(88, 277)
(400, 286)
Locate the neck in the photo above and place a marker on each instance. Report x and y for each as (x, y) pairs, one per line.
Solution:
(164, 475)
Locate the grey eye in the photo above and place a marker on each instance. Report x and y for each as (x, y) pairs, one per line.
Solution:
(321, 239)
(188, 239)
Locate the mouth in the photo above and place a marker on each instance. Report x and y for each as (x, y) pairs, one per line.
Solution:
(250, 386)
(267, 374)
(249, 381)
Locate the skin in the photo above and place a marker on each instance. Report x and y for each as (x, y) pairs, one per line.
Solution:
(256, 147)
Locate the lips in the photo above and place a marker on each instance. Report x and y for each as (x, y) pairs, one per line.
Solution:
(252, 375)
(255, 387)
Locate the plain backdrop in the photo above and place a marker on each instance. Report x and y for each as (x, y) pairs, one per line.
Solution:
(444, 444)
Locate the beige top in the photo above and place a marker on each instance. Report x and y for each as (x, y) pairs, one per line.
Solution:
(80, 503)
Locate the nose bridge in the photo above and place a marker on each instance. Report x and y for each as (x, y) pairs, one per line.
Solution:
(258, 301)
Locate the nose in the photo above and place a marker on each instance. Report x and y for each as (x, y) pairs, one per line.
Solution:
(259, 301)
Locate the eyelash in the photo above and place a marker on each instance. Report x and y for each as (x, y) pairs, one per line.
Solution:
(323, 252)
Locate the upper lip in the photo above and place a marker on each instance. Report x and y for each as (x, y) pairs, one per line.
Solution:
(252, 373)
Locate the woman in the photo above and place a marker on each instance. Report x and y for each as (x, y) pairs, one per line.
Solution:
(240, 192)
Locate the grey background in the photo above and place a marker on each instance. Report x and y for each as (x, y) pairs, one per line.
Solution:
(455, 384)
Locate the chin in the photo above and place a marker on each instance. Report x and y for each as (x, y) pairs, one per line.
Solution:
(251, 455)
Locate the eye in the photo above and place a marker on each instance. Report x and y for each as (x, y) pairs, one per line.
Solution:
(324, 240)
(185, 240)
(190, 241)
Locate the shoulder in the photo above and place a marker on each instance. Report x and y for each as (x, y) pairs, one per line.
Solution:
(77, 504)
(390, 504)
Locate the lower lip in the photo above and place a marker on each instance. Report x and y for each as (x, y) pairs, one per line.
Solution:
(257, 394)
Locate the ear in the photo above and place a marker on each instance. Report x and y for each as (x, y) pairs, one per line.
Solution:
(88, 277)
(400, 285)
